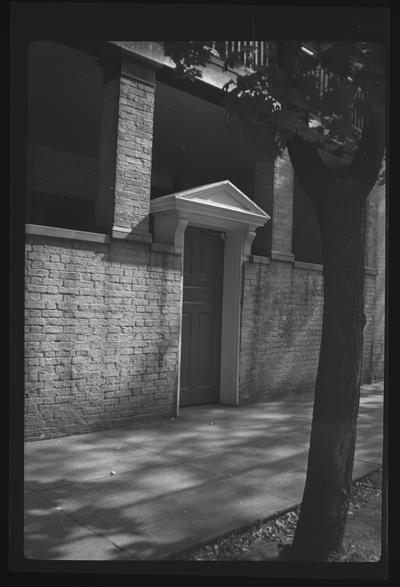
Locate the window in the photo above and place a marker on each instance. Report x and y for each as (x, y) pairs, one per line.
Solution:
(64, 114)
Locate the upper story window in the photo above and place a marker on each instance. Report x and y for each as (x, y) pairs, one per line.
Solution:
(64, 113)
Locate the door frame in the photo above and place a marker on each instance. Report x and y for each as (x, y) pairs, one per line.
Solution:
(220, 206)
(218, 235)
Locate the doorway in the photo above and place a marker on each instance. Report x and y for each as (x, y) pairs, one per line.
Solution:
(201, 316)
(191, 223)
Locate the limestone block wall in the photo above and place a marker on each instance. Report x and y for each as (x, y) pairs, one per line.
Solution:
(101, 334)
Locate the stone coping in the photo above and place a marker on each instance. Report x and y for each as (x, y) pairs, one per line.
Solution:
(160, 248)
(284, 259)
(67, 233)
(309, 266)
(55, 232)
(281, 256)
(82, 235)
(259, 259)
(124, 233)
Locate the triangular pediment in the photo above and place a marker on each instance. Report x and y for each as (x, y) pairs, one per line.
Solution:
(223, 195)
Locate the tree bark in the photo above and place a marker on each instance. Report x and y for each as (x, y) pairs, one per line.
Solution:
(322, 520)
(339, 196)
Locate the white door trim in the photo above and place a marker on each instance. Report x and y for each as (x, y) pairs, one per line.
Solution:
(223, 207)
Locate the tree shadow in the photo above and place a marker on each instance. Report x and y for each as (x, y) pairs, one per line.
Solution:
(150, 490)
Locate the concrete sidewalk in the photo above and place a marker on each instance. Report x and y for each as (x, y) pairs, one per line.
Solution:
(157, 489)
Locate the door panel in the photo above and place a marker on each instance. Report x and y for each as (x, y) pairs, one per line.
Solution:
(207, 350)
(201, 327)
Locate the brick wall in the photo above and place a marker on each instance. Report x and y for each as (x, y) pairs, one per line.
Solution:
(282, 214)
(263, 196)
(367, 375)
(371, 233)
(125, 148)
(379, 324)
(281, 323)
(101, 334)
(133, 165)
(374, 333)
(107, 155)
(281, 329)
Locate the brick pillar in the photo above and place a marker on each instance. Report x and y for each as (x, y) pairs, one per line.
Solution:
(104, 210)
(379, 325)
(282, 212)
(263, 196)
(125, 147)
(370, 227)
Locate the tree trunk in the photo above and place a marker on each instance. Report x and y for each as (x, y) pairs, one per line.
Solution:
(322, 520)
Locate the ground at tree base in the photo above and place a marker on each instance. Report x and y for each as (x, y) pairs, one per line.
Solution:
(267, 540)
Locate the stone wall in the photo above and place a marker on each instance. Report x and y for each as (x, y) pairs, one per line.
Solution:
(101, 334)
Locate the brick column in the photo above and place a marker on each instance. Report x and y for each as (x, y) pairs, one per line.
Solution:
(282, 212)
(125, 147)
(371, 212)
(379, 326)
(104, 209)
(374, 285)
(263, 196)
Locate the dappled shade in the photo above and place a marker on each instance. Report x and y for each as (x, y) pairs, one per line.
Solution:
(152, 491)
